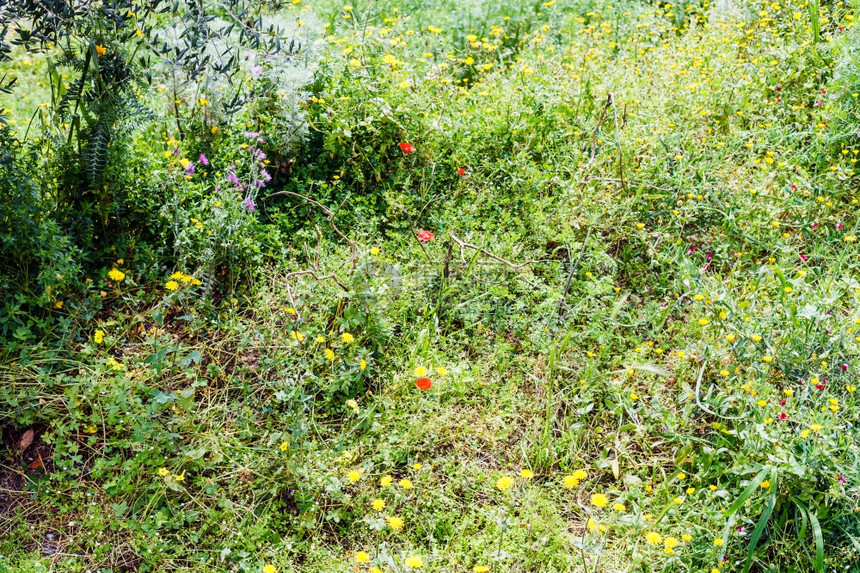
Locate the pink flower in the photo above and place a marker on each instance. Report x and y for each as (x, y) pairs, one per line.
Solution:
(204, 160)
(841, 479)
(249, 203)
(425, 236)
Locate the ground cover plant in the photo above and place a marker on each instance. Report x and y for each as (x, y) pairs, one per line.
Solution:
(456, 286)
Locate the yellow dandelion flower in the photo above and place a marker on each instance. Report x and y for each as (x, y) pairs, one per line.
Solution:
(480, 569)
(718, 541)
(270, 569)
(619, 507)
(347, 337)
(414, 562)
(116, 275)
(329, 353)
(378, 504)
(362, 556)
(653, 538)
(405, 484)
(671, 542)
(395, 523)
(504, 482)
(99, 336)
(386, 480)
(570, 481)
(354, 475)
(527, 473)
(599, 500)
(420, 371)
(171, 285)
(362, 364)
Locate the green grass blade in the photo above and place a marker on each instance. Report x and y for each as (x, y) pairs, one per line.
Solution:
(813, 16)
(819, 542)
(753, 485)
(759, 528)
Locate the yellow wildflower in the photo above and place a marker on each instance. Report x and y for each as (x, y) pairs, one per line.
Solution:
(653, 538)
(395, 523)
(504, 482)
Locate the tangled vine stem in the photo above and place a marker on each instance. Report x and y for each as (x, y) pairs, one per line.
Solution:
(464, 245)
(314, 270)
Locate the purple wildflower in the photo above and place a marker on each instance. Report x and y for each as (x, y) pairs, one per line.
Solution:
(189, 168)
(231, 177)
(249, 203)
(204, 160)
(257, 71)
(259, 183)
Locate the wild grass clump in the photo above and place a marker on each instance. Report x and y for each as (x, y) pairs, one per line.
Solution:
(470, 287)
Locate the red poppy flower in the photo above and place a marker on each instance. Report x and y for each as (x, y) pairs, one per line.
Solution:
(407, 147)
(461, 171)
(425, 236)
(423, 383)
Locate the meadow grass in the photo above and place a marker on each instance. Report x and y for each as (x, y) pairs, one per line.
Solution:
(638, 310)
